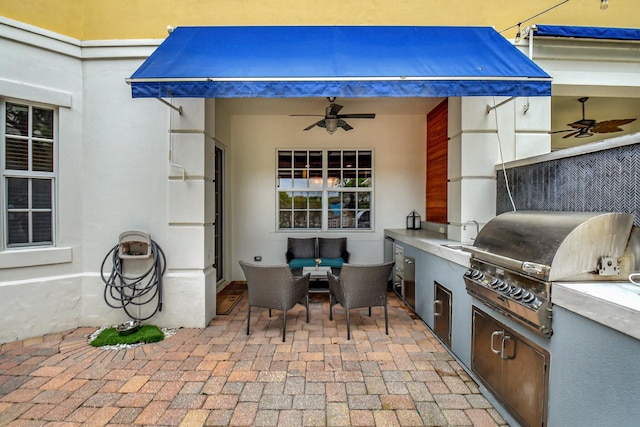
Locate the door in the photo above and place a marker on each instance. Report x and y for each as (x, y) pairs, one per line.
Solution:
(442, 313)
(218, 258)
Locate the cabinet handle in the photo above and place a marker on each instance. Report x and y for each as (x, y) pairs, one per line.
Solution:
(502, 349)
(493, 335)
(436, 311)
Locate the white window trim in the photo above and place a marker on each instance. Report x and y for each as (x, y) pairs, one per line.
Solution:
(27, 252)
(325, 190)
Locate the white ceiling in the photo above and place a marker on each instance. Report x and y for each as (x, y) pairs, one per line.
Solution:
(564, 110)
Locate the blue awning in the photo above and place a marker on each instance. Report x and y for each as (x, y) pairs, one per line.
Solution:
(342, 61)
(599, 33)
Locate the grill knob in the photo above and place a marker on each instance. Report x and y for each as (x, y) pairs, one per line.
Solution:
(516, 293)
(528, 297)
(503, 287)
(477, 275)
(495, 282)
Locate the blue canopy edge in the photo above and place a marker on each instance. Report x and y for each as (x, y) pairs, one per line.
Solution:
(601, 33)
(356, 61)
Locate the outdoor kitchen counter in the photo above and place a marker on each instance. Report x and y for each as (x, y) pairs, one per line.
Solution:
(613, 304)
(430, 242)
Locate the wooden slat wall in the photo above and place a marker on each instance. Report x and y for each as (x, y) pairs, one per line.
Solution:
(436, 197)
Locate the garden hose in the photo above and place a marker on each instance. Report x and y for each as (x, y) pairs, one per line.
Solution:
(122, 291)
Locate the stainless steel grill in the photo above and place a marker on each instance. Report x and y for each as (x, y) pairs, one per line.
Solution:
(518, 255)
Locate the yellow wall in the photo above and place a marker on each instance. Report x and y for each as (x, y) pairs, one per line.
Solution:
(136, 19)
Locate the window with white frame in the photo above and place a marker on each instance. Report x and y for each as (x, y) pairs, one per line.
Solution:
(325, 189)
(28, 174)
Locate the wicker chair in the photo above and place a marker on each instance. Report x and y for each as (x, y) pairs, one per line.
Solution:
(274, 287)
(360, 286)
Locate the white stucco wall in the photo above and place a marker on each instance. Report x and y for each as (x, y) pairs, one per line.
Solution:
(114, 175)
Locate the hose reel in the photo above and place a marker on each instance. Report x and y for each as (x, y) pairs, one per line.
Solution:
(131, 290)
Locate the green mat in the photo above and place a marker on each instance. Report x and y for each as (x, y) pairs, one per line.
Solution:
(146, 334)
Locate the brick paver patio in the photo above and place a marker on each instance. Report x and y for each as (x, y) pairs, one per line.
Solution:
(220, 376)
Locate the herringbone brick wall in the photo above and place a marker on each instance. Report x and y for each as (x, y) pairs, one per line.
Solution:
(603, 181)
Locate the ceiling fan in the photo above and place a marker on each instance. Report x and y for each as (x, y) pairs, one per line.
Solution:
(585, 128)
(332, 120)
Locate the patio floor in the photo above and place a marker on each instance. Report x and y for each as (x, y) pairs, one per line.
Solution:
(220, 376)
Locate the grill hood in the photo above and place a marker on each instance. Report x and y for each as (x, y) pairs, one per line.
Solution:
(553, 246)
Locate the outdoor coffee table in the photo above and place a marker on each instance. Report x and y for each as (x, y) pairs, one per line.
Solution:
(318, 275)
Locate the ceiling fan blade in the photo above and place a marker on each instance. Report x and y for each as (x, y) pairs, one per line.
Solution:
(306, 115)
(610, 126)
(334, 109)
(318, 123)
(357, 116)
(562, 131)
(571, 134)
(344, 125)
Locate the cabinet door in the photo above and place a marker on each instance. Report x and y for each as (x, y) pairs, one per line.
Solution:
(525, 379)
(442, 313)
(485, 362)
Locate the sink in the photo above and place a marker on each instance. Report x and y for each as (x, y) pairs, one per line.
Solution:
(454, 246)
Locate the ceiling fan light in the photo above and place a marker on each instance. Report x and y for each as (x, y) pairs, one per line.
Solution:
(604, 4)
(331, 125)
(584, 135)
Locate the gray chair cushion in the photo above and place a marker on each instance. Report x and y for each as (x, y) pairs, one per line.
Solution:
(333, 248)
(301, 248)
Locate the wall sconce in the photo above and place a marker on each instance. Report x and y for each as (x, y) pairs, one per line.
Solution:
(414, 221)
(604, 4)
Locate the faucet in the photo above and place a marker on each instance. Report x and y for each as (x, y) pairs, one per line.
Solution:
(472, 221)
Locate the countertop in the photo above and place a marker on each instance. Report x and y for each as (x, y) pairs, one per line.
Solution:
(431, 242)
(613, 304)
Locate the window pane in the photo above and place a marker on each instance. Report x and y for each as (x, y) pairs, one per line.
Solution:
(42, 230)
(300, 159)
(300, 179)
(333, 178)
(364, 219)
(315, 219)
(349, 178)
(300, 220)
(285, 219)
(41, 189)
(300, 201)
(42, 123)
(315, 200)
(285, 179)
(348, 200)
(17, 154)
(286, 200)
(18, 226)
(284, 159)
(334, 219)
(335, 202)
(18, 193)
(17, 119)
(349, 159)
(364, 159)
(364, 200)
(42, 156)
(315, 159)
(335, 158)
(364, 178)
(315, 179)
